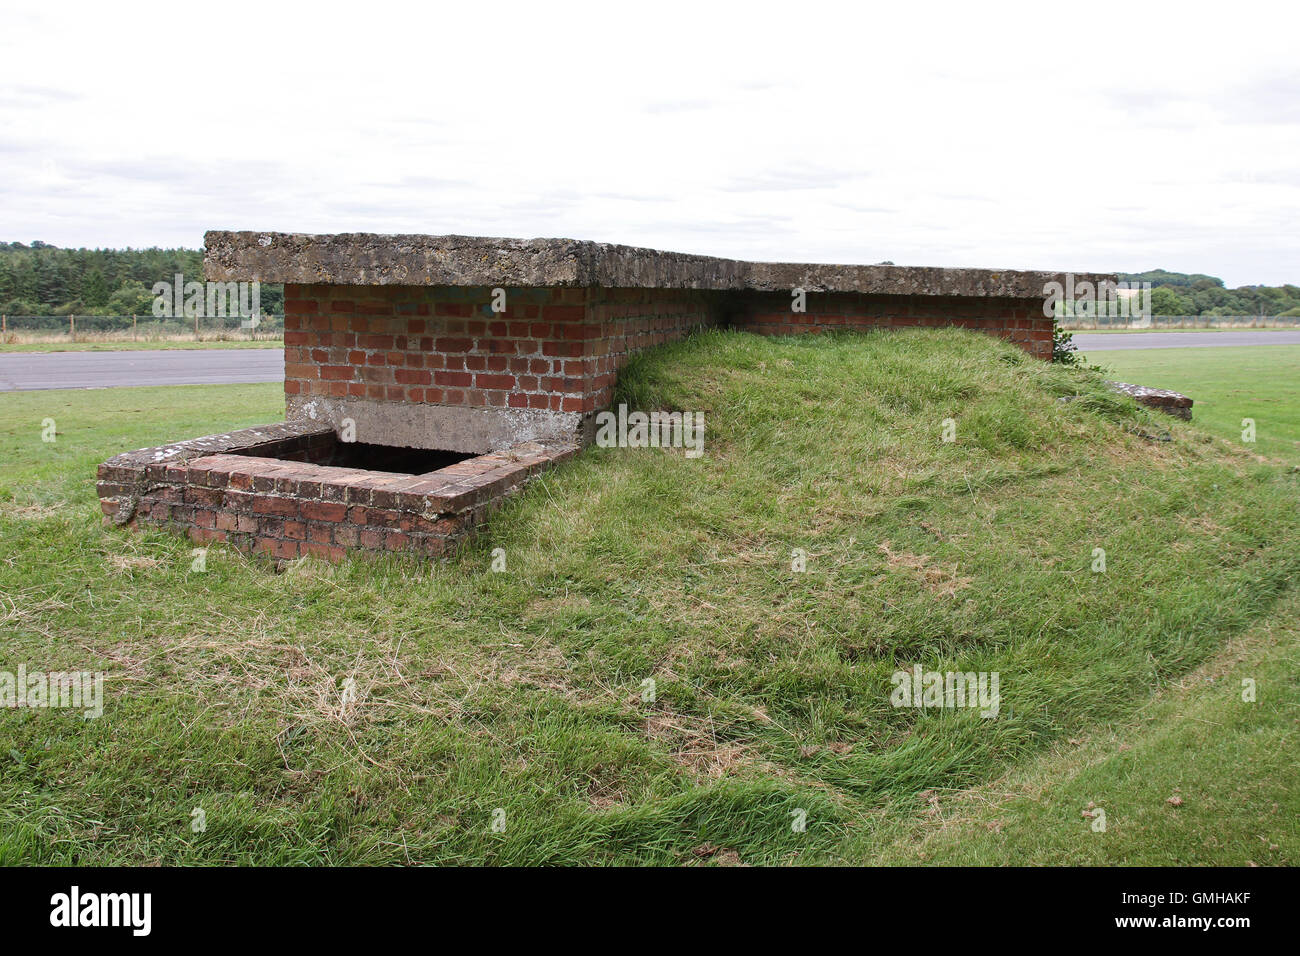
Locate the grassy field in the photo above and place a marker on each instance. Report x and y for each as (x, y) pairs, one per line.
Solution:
(1261, 382)
(650, 681)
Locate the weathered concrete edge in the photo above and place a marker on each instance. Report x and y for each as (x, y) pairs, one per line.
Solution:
(158, 457)
(419, 260)
(1161, 399)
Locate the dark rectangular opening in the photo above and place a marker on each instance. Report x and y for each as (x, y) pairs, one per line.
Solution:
(328, 450)
(403, 461)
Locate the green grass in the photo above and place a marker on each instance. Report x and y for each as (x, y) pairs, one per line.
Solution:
(523, 690)
(1227, 385)
(1201, 774)
(127, 346)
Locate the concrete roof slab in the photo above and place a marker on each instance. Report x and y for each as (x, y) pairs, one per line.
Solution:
(361, 259)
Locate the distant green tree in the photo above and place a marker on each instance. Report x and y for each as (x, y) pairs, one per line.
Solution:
(71, 307)
(131, 298)
(1165, 301)
(1158, 277)
(94, 291)
(51, 284)
(19, 307)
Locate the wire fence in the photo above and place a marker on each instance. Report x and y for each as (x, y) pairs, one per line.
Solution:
(1101, 322)
(40, 329)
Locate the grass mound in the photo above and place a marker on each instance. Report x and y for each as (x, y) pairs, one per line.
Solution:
(649, 680)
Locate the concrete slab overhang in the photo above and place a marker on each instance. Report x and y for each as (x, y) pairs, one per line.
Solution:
(362, 259)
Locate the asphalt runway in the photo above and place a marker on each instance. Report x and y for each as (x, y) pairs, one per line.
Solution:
(21, 371)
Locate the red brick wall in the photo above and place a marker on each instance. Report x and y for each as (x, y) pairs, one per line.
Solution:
(552, 350)
(1020, 321)
(627, 321)
(436, 345)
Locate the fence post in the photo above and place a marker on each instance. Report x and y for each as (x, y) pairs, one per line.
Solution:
(133, 328)
(72, 327)
(196, 326)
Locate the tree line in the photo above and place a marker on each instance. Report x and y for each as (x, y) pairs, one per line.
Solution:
(41, 279)
(1180, 293)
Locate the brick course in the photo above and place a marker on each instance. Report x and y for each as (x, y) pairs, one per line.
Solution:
(553, 350)
(1020, 321)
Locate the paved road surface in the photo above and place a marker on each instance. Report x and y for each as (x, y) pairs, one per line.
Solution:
(31, 370)
(1108, 342)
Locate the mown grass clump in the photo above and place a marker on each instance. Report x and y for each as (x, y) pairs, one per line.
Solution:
(649, 680)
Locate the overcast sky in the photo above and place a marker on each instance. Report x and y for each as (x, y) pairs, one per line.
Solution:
(1115, 138)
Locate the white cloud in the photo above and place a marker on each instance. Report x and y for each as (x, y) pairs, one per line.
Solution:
(987, 135)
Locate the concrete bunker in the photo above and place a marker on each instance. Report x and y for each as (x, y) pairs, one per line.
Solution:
(426, 377)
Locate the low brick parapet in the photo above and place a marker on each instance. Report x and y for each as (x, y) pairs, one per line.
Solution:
(289, 506)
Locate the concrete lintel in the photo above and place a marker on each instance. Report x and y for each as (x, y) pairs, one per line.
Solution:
(464, 428)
